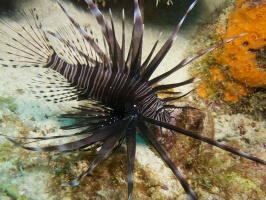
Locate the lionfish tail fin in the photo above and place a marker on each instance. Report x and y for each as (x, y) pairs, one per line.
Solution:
(26, 42)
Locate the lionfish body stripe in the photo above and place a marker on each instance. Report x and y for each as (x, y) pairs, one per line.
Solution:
(122, 97)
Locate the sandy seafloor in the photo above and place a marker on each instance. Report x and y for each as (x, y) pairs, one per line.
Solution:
(34, 175)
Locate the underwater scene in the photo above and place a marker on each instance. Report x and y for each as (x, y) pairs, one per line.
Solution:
(133, 99)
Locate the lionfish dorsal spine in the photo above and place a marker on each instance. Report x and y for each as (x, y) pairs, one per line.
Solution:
(134, 55)
(152, 66)
(107, 31)
(90, 40)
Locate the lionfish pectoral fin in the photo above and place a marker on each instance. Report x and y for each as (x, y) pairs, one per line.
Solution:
(109, 144)
(188, 60)
(151, 138)
(204, 139)
(168, 99)
(131, 151)
(94, 136)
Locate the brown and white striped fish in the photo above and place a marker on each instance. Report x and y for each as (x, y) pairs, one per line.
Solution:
(122, 95)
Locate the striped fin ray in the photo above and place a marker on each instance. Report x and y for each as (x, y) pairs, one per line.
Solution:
(104, 57)
(204, 139)
(180, 107)
(174, 85)
(131, 151)
(168, 92)
(69, 51)
(26, 42)
(111, 142)
(112, 43)
(41, 40)
(122, 61)
(188, 60)
(76, 48)
(29, 44)
(96, 105)
(146, 62)
(151, 138)
(176, 98)
(162, 88)
(107, 31)
(52, 86)
(135, 52)
(165, 48)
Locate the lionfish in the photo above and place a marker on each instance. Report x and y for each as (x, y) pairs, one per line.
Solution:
(122, 97)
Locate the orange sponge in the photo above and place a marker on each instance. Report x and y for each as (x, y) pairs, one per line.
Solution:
(244, 58)
(240, 55)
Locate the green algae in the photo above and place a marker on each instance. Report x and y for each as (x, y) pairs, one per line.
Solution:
(5, 149)
(222, 172)
(245, 184)
(8, 102)
(11, 191)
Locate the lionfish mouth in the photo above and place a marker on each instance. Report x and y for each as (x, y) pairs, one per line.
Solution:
(122, 97)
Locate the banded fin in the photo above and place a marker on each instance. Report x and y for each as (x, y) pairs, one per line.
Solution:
(167, 99)
(101, 56)
(204, 139)
(52, 86)
(26, 44)
(152, 139)
(107, 31)
(23, 45)
(110, 144)
(135, 52)
(72, 47)
(152, 66)
(188, 60)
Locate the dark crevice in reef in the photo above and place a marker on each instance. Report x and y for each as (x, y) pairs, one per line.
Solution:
(7, 5)
(260, 57)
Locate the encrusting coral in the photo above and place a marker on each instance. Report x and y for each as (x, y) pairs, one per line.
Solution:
(244, 57)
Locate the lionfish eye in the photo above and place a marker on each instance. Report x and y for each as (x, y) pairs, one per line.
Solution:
(160, 110)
